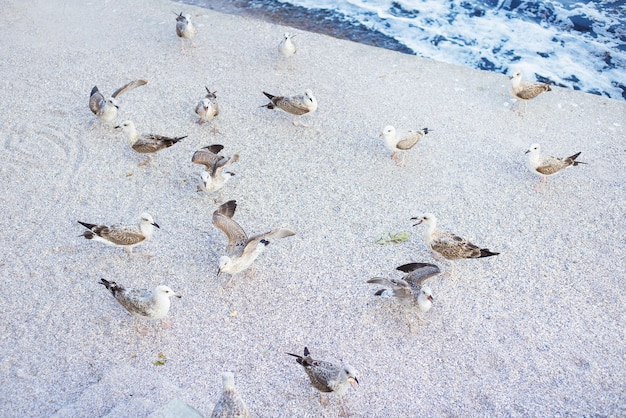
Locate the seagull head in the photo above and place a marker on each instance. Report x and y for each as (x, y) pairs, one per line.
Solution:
(534, 148)
(427, 293)
(112, 102)
(388, 132)
(223, 264)
(351, 373)
(147, 218)
(427, 218)
(517, 75)
(166, 291)
(308, 93)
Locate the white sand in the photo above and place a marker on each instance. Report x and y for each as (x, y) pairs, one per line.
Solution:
(537, 331)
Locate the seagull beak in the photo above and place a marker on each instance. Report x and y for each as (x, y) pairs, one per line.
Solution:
(418, 222)
(430, 298)
(353, 381)
(527, 151)
(118, 127)
(156, 224)
(510, 77)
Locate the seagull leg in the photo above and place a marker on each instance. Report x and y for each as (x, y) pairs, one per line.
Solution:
(166, 324)
(400, 162)
(141, 330)
(146, 161)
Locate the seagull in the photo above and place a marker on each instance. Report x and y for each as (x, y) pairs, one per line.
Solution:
(143, 303)
(547, 165)
(106, 109)
(287, 48)
(326, 376)
(230, 405)
(295, 105)
(185, 29)
(401, 144)
(214, 178)
(410, 288)
(242, 251)
(526, 90)
(207, 108)
(122, 236)
(450, 246)
(146, 143)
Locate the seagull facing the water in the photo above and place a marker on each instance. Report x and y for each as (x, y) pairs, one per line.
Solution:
(242, 251)
(546, 165)
(214, 177)
(410, 288)
(142, 303)
(526, 90)
(126, 237)
(106, 109)
(327, 377)
(295, 105)
(287, 48)
(402, 143)
(230, 404)
(185, 29)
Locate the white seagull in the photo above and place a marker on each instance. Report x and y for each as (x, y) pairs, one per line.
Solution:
(185, 29)
(403, 143)
(242, 251)
(106, 109)
(143, 303)
(287, 48)
(295, 105)
(230, 404)
(127, 236)
(547, 165)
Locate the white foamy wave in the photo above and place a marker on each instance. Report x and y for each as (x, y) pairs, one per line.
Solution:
(576, 46)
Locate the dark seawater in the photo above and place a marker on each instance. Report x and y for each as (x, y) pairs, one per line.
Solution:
(574, 44)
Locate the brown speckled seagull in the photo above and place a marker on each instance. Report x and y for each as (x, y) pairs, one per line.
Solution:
(547, 165)
(526, 90)
(207, 108)
(327, 377)
(106, 109)
(450, 246)
(126, 237)
(410, 288)
(242, 251)
(185, 29)
(294, 105)
(230, 404)
(146, 143)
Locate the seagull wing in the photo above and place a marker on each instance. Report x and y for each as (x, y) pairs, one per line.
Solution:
(128, 87)
(222, 219)
(96, 101)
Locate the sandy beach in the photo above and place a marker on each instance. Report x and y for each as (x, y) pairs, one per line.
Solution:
(538, 330)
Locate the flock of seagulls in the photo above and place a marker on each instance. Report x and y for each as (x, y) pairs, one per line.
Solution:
(241, 250)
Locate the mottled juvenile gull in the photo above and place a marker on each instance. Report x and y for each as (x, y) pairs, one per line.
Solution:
(122, 236)
(547, 165)
(450, 246)
(287, 48)
(402, 143)
(106, 109)
(410, 288)
(185, 29)
(214, 177)
(326, 376)
(526, 90)
(295, 105)
(143, 303)
(242, 251)
(207, 108)
(230, 405)
(146, 143)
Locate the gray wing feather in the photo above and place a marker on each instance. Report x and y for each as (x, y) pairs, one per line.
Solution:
(128, 87)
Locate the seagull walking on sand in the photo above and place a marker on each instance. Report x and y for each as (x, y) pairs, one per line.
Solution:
(526, 90)
(328, 377)
(242, 251)
(214, 177)
(295, 105)
(397, 143)
(207, 108)
(143, 303)
(126, 237)
(547, 165)
(146, 143)
(230, 404)
(446, 244)
(287, 48)
(185, 30)
(106, 109)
